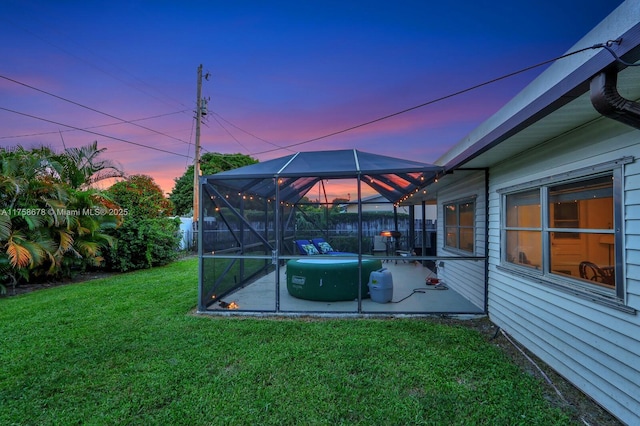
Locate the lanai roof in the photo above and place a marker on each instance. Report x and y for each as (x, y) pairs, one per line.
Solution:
(393, 178)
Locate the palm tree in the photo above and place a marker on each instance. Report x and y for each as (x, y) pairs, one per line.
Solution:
(47, 223)
(89, 229)
(81, 168)
(5, 267)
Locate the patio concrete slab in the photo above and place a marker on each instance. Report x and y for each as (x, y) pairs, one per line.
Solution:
(410, 296)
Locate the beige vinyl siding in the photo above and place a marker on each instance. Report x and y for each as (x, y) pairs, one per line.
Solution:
(600, 357)
(632, 230)
(596, 347)
(465, 276)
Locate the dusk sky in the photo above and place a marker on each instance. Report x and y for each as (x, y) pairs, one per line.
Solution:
(281, 73)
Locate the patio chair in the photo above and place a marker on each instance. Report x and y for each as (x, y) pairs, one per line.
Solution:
(522, 258)
(592, 272)
(323, 246)
(306, 247)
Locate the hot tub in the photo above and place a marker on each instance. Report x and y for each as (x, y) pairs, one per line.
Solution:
(329, 280)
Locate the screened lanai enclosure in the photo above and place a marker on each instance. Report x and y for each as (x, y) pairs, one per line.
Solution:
(321, 232)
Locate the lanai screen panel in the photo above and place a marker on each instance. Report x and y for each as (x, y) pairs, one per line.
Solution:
(247, 213)
(237, 241)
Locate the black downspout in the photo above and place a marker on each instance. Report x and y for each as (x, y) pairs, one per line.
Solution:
(608, 102)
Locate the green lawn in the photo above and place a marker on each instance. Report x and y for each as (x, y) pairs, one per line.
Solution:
(127, 350)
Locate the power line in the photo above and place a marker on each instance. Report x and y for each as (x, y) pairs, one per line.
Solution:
(451, 95)
(92, 132)
(93, 127)
(229, 133)
(248, 133)
(90, 108)
(606, 45)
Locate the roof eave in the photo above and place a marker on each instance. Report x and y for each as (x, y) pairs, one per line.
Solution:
(564, 91)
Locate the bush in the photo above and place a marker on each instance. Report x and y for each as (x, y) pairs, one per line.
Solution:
(144, 243)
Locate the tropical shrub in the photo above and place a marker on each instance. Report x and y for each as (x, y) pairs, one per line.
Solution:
(50, 228)
(144, 243)
(147, 236)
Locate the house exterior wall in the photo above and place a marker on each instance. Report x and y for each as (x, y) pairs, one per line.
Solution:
(467, 277)
(593, 345)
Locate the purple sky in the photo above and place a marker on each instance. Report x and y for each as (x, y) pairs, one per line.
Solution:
(281, 73)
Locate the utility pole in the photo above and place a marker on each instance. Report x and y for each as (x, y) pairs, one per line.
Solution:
(196, 161)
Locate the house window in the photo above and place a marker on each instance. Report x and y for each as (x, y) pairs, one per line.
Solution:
(524, 228)
(459, 224)
(565, 215)
(566, 231)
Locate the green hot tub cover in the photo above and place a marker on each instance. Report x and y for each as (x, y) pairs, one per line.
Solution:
(329, 280)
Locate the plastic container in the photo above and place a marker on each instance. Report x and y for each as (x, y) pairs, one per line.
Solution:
(381, 286)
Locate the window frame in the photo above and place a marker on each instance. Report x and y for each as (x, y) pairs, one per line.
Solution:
(543, 274)
(473, 227)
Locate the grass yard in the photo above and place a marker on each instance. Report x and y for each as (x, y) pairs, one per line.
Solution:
(127, 350)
